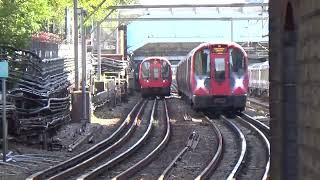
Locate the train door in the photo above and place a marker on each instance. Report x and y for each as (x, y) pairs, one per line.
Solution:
(220, 82)
(155, 71)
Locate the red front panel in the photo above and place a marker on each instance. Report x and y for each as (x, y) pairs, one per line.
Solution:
(220, 80)
(219, 70)
(154, 77)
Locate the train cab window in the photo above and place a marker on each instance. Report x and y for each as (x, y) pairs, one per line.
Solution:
(165, 70)
(237, 61)
(145, 70)
(202, 63)
(155, 73)
(219, 69)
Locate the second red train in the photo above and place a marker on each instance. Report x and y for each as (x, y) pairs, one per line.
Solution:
(155, 77)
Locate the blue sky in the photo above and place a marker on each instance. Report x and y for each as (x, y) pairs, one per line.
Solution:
(142, 32)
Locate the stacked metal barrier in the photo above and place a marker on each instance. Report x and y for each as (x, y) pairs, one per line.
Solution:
(38, 89)
(113, 72)
(110, 65)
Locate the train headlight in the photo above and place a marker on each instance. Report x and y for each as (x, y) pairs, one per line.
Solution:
(200, 83)
(238, 83)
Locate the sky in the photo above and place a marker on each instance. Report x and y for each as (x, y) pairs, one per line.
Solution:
(142, 32)
(198, 1)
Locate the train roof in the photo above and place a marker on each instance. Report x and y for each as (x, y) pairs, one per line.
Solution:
(156, 57)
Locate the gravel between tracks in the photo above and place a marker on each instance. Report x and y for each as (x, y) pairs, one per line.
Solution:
(193, 161)
(104, 121)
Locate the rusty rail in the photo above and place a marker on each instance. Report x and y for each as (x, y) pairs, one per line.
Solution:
(243, 153)
(256, 102)
(47, 173)
(264, 128)
(138, 166)
(264, 138)
(192, 140)
(213, 164)
(106, 166)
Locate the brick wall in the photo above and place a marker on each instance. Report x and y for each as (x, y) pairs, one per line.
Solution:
(306, 67)
(309, 89)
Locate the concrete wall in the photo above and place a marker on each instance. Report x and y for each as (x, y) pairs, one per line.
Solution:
(295, 89)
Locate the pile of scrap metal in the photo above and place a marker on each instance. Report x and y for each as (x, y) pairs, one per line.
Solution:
(114, 71)
(38, 90)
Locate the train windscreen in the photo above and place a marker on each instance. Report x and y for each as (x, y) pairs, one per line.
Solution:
(202, 63)
(145, 70)
(165, 70)
(237, 62)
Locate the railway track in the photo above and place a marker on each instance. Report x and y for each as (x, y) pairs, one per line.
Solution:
(136, 140)
(153, 146)
(246, 151)
(204, 171)
(96, 152)
(258, 103)
(256, 156)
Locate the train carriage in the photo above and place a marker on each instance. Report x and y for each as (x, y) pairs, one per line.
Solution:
(259, 79)
(215, 76)
(155, 77)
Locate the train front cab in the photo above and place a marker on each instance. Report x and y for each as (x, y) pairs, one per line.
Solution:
(155, 78)
(220, 78)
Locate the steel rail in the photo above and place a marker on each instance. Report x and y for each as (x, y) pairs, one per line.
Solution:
(104, 167)
(86, 154)
(167, 170)
(266, 142)
(264, 128)
(258, 103)
(103, 154)
(213, 164)
(243, 153)
(135, 168)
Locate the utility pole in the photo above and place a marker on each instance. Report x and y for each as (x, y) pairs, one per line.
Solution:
(76, 41)
(99, 51)
(84, 67)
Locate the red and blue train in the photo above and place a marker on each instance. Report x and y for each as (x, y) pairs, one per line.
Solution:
(214, 76)
(155, 77)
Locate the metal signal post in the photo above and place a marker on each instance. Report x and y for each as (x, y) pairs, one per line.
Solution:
(3, 76)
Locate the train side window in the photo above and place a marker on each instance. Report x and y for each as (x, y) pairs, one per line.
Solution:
(165, 70)
(202, 63)
(145, 69)
(237, 61)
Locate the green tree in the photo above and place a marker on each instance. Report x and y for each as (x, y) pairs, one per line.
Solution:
(19, 19)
